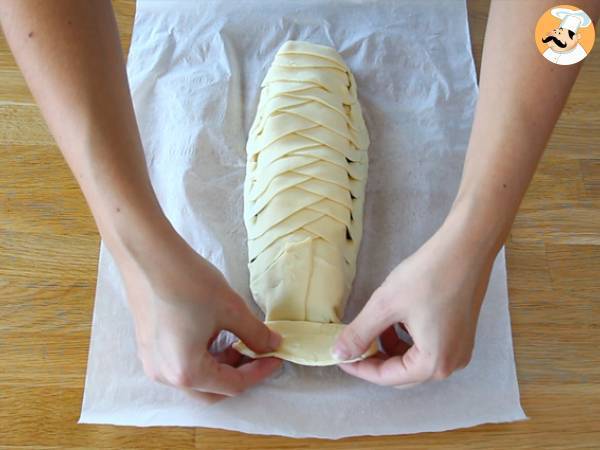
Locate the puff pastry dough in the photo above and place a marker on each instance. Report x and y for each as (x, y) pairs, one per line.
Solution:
(303, 199)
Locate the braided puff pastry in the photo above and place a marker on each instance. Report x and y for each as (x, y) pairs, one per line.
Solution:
(303, 199)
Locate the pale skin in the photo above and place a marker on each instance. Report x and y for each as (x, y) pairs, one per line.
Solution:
(69, 53)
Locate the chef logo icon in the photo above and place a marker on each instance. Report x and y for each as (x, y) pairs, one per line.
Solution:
(564, 35)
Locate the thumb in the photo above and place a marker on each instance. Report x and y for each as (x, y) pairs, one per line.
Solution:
(357, 336)
(238, 319)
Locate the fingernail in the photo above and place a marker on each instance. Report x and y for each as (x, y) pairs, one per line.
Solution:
(274, 340)
(340, 354)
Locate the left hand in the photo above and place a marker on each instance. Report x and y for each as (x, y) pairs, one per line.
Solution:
(180, 302)
(435, 294)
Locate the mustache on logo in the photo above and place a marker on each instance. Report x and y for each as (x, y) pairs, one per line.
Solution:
(556, 41)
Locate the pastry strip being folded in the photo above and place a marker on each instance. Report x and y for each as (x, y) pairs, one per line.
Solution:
(303, 199)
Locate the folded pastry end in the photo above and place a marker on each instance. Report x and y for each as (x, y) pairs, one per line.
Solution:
(306, 343)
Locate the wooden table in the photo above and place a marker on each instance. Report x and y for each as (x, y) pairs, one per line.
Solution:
(48, 261)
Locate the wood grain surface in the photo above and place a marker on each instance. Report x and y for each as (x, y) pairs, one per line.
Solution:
(48, 261)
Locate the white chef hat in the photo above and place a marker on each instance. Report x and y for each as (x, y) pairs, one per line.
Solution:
(570, 19)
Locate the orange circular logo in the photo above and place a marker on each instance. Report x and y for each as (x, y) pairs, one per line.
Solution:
(564, 35)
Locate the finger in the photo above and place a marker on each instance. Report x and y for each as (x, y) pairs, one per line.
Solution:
(412, 367)
(230, 381)
(205, 398)
(356, 337)
(215, 374)
(237, 318)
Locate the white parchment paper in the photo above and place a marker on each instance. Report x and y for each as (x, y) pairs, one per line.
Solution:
(195, 71)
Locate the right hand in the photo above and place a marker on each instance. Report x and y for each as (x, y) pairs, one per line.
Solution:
(180, 303)
(435, 295)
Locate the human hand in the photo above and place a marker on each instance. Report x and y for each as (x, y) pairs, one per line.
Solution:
(180, 302)
(435, 294)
